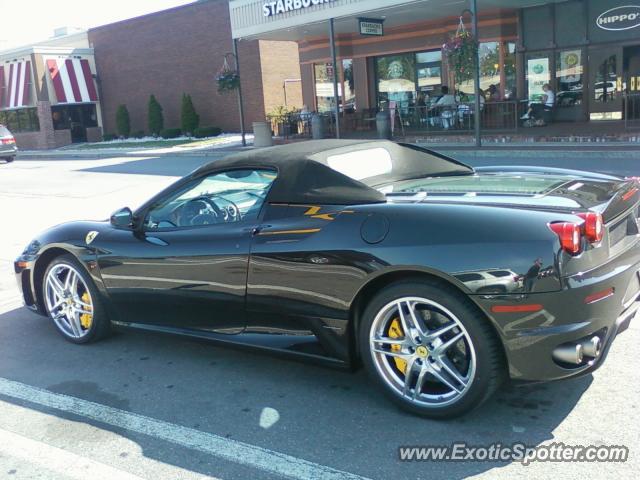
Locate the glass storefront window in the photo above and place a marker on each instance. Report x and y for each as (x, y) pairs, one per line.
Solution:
(489, 54)
(605, 85)
(69, 116)
(396, 76)
(569, 78)
(325, 100)
(491, 72)
(349, 101)
(429, 72)
(21, 120)
(510, 79)
(537, 74)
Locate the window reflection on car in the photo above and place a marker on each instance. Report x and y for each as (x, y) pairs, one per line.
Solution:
(223, 197)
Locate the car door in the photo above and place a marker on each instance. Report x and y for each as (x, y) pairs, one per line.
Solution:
(185, 266)
(300, 280)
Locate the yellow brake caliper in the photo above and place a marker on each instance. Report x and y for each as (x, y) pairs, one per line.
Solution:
(85, 318)
(395, 331)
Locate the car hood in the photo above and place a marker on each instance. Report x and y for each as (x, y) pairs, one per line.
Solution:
(83, 235)
(533, 188)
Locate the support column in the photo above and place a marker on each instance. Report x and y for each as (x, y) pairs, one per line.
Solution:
(240, 106)
(47, 133)
(476, 74)
(332, 41)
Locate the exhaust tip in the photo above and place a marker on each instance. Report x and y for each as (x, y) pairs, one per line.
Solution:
(591, 347)
(569, 353)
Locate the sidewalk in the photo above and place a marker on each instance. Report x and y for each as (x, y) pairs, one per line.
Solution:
(223, 143)
(214, 151)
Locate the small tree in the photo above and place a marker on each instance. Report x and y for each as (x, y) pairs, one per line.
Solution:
(189, 119)
(155, 118)
(123, 123)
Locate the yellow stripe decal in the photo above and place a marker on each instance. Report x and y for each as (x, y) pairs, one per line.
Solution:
(291, 232)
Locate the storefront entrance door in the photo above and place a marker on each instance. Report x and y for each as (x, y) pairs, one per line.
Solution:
(632, 84)
(605, 83)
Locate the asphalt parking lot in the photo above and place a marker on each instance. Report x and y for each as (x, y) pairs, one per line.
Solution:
(142, 405)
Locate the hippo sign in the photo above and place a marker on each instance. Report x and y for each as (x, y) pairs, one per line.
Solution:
(620, 18)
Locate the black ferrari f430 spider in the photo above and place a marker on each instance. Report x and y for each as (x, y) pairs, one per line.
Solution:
(441, 280)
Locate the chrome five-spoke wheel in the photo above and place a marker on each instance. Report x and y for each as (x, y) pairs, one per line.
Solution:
(68, 300)
(422, 351)
(430, 348)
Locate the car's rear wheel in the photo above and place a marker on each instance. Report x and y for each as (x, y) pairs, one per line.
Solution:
(71, 301)
(430, 349)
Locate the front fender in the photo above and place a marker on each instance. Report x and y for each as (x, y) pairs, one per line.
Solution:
(69, 238)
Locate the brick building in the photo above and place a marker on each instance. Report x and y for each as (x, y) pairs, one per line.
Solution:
(48, 94)
(166, 54)
(181, 50)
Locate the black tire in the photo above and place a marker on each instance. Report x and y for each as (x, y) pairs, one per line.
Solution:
(10, 159)
(489, 369)
(100, 323)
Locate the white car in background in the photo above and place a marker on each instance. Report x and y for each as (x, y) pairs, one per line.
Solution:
(496, 281)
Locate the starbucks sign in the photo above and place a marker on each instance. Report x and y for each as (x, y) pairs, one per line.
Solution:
(625, 17)
(273, 8)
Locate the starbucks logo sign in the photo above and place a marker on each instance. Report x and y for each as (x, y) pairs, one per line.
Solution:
(625, 17)
(396, 70)
(538, 69)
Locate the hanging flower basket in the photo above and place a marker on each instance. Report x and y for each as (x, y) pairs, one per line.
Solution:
(228, 79)
(461, 51)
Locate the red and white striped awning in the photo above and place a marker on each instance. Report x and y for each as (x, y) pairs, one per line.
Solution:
(15, 84)
(72, 80)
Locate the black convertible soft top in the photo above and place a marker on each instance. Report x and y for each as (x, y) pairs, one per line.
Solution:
(306, 174)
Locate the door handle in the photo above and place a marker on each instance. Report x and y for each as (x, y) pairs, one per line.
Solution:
(257, 229)
(156, 241)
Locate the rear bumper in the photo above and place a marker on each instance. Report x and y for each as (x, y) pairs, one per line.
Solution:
(8, 151)
(568, 316)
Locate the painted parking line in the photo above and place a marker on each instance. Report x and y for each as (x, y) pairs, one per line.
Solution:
(58, 461)
(225, 448)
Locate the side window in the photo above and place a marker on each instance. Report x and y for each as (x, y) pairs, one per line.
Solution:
(223, 197)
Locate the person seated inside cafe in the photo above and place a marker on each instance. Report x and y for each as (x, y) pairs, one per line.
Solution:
(443, 108)
(537, 110)
(492, 94)
(447, 98)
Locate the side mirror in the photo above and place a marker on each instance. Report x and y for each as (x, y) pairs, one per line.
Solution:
(122, 218)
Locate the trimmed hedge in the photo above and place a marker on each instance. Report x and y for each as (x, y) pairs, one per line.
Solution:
(107, 137)
(155, 119)
(123, 123)
(189, 119)
(203, 132)
(170, 133)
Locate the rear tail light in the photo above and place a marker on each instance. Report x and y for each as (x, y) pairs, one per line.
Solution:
(8, 141)
(593, 226)
(570, 236)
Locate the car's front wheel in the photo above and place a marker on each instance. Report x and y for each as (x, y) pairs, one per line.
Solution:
(430, 349)
(71, 301)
